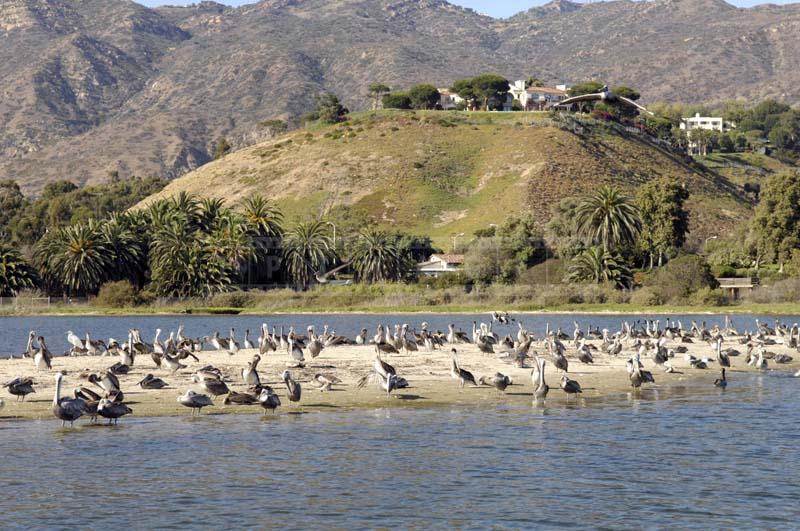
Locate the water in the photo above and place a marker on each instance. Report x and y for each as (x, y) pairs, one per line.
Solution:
(14, 330)
(695, 458)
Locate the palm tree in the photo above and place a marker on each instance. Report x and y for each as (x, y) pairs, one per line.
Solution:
(76, 258)
(183, 264)
(308, 249)
(608, 218)
(210, 213)
(15, 273)
(376, 257)
(263, 218)
(127, 250)
(598, 265)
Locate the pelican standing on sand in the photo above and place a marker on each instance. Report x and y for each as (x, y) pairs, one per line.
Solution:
(540, 387)
(194, 401)
(292, 387)
(268, 400)
(67, 409)
(42, 358)
(571, 387)
(460, 374)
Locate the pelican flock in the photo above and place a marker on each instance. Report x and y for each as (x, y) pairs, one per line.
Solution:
(494, 348)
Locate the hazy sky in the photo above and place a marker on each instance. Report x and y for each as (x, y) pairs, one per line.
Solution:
(496, 8)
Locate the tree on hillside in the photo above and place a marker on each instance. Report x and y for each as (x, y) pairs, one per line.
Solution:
(466, 90)
(423, 96)
(631, 94)
(534, 81)
(490, 87)
(328, 109)
(587, 87)
(396, 100)
(665, 220)
(482, 90)
(776, 224)
(222, 148)
(608, 218)
(377, 91)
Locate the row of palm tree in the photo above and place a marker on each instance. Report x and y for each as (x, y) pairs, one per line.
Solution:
(184, 246)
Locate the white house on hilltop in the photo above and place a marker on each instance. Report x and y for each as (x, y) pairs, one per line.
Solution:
(710, 123)
(531, 98)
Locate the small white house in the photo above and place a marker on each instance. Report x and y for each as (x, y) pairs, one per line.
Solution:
(537, 98)
(438, 264)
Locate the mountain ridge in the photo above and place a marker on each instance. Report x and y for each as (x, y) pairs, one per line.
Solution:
(96, 86)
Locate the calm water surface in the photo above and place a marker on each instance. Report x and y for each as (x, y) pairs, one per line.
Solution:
(14, 330)
(674, 459)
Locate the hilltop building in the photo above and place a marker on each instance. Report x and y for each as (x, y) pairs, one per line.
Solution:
(438, 264)
(710, 123)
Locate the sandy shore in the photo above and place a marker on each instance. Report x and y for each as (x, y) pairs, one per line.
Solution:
(428, 374)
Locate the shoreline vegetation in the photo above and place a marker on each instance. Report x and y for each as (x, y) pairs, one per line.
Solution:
(395, 298)
(428, 374)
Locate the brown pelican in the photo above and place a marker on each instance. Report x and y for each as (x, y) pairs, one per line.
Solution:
(29, 350)
(67, 409)
(42, 358)
(112, 410)
(499, 381)
(361, 338)
(460, 374)
(247, 344)
(20, 387)
(454, 336)
(584, 354)
(151, 382)
(721, 382)
(241, 399)
(172, 363)
(250, 373)
(108, 383)
(295, 350)
(91, 398)
(722, 357)
(571, 387)
(213, 386)
(95, 347)
(268, 400)
(540, 387)
(314, 345)
(194, 401)
(233, 346)
(292, 387)
(326, 381)
(389, 383)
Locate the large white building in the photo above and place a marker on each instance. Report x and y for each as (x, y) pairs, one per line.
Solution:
(710, 123)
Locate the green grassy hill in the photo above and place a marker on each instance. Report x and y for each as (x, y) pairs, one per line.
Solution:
(440, 173)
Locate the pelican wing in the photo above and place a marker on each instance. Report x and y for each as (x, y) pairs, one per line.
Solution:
(632, 103)
(582, 98)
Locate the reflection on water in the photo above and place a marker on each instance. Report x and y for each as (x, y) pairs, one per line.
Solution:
(14, 330)
(695, 458)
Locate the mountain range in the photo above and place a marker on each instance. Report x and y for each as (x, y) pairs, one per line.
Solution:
(88, 87)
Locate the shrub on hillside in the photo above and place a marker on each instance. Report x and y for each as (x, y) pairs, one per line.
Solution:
(681, 277)
(710, 297)
(118, 294)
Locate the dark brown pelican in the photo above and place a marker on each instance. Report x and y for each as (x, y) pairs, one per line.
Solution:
(213, 386)
(20, 387)
(269, 400)
(151, 382)
(499, 381)
(42, 358)
(240, 399)
(250, 373)
(571, 387)
(112, 410)
(460, 374)
(293, 388)
(67, 409)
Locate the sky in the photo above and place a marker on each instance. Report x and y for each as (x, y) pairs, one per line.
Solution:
(495, 8)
